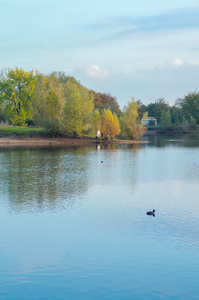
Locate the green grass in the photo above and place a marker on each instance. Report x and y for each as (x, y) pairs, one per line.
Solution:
(21, 131)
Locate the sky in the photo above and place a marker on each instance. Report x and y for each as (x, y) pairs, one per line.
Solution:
(128, 48)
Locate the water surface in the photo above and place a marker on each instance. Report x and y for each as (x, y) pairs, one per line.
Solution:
(74, 224)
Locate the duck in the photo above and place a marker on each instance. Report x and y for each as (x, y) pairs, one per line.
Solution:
(152, 213)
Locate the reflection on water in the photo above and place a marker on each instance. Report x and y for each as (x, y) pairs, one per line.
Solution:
(181, 140)
(53, 175)
(73, 227)
(43, 176)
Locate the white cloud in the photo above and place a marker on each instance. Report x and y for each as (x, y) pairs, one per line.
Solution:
(177, 62)
(174, 63)
(95, 72)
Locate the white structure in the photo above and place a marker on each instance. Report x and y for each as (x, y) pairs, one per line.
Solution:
(98, 134)
(149, 121)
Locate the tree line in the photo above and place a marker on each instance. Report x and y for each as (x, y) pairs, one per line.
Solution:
(183, 114)
(61, 105)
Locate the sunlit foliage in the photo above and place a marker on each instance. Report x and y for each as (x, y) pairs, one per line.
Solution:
(49, 103)
(77, 117)
(110, 124)
(17, 89)
(106, 101)
(96, 120)
(130, 121)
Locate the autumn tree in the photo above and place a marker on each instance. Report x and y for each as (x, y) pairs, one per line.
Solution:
(96, 120)
(145, 115)
(63, 78)
(115, 126)
(130, 121)
(106, 101)
(110, 124)
(17, 89)
(77, 109)
(48, 103)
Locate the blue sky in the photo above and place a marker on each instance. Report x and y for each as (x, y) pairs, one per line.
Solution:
(143, 49)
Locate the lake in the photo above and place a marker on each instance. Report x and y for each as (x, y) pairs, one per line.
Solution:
(74, 224)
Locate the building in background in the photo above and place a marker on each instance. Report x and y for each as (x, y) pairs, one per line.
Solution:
(150, 121)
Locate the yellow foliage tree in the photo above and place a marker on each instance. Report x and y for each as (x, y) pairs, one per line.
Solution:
(110, 124)
(130, 121)
(145, 115)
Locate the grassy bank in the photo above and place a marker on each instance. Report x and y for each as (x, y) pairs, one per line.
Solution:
(19, 131)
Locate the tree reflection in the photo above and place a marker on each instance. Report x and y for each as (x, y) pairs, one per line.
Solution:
(178, 140)
(44, 177)
(53, 177)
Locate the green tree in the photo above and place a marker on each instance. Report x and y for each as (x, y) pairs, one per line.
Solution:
(17, 89)
(48, 103)
(189, 106)
(2, 113)
(160, 106)
(63, 78)
(53, 113)
(130, 121)
(176, 118)
(185, 124)
(192, 122)
(141, 109)
(78, 109)
(165, 120)
(96, 120)
(151, 109)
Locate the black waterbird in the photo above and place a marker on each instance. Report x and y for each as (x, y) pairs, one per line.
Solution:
(151, 213)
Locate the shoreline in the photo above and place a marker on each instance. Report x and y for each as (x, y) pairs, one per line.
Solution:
(16, 141)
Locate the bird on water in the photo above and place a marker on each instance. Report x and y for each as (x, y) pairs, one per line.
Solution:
(152, 213)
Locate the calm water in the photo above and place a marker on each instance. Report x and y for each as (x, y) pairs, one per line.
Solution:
(72, 227)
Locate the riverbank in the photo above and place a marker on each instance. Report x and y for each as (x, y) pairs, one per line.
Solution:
(14, 140)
